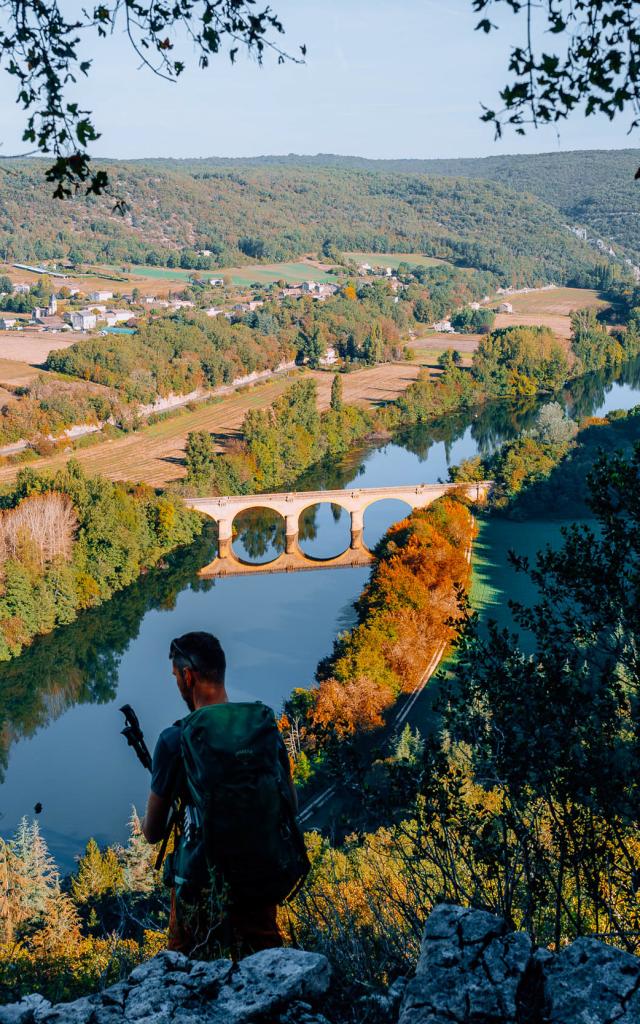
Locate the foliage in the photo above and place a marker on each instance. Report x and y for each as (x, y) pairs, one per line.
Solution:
(546, 721)
(71, 541)
(596, 347)
(52, 940)
(426, 398)
(336, 394)
(278, 444)
(520, 361)
(473, 321)
(47, 408)
(598, 67)
(406, 615)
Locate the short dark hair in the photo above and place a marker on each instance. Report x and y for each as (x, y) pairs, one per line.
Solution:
(201, 652)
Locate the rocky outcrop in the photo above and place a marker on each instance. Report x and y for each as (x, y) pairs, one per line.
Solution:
(278, 986)
(471, 970)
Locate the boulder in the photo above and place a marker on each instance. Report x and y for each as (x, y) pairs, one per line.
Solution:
(469, 970)
(591, 983)
(278, 985)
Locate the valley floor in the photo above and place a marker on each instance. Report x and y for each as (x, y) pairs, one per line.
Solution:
(155, 454)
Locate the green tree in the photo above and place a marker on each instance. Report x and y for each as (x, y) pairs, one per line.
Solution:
(373, 349)
(199, 457)
(336, 393)
(98, 872)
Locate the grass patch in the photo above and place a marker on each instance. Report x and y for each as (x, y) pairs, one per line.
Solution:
(394, 259)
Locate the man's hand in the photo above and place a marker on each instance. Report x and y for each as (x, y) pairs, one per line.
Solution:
(155, 820)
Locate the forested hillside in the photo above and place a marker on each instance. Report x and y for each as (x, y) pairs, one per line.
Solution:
(590, 188)
(239, 212)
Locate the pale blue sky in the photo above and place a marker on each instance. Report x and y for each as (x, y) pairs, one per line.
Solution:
(383, 78)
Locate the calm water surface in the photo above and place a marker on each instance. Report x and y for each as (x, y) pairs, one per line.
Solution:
(59, 702)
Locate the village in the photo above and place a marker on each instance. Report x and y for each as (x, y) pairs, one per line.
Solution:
(67, 308)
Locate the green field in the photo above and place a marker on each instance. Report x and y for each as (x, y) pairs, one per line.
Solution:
(259, 273)
(266, 273)
(394, 259)
(494, 580)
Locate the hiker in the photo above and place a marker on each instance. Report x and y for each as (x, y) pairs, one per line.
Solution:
(221, 784)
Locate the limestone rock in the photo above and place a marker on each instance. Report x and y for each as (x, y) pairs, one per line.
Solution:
(279, 985)
(469, 970)
(591, 983)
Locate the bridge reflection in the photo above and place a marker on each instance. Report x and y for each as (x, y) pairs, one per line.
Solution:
(291, 505)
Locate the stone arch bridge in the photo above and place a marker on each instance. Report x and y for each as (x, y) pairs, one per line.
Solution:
(291, 506)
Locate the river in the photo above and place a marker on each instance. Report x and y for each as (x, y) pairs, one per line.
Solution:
(60, 741)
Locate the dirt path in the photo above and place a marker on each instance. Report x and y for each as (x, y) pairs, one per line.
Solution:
(155, 454)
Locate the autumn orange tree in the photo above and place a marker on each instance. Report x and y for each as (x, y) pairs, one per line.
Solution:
(407, 617)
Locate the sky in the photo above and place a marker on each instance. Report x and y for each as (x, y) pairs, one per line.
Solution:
(382, 78)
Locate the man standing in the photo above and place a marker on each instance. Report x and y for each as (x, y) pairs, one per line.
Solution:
(237, 849)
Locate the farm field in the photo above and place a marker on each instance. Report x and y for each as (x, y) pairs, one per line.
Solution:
(32, 347)
(550, 308)
(161, 280)
(428, 347)
(154, 455)
(394, 259)
(557, 301)
(147, 278)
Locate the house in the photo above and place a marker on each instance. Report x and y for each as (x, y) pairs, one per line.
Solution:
(309, 287)
(21, 288)
(6, 322)
(365, 268)
(117, 316)
(83, 320)
(56, 323)
(474, 305)
(100, 296)
(216, 281)
(213, 311)
(181, 304)
(444, 327)
(324, 290)
(505, 307)
(330, 357)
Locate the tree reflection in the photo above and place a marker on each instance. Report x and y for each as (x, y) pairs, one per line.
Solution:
(79, 663)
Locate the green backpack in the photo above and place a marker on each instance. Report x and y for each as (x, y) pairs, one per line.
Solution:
(242, 820)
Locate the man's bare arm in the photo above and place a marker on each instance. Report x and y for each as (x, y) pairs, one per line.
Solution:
(154, 822)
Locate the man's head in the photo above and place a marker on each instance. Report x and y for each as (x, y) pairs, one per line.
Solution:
(199, 666)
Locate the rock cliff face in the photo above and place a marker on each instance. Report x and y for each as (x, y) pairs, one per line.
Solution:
(471, 970)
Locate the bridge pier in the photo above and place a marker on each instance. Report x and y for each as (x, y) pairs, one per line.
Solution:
(357, 529)
(291, 533)
(225, 538)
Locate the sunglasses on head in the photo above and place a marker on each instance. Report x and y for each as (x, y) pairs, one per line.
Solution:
(176, 649)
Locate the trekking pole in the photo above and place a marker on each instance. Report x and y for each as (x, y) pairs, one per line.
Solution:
(135, 737)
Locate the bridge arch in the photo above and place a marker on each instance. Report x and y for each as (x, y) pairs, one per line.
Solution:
(290, 506)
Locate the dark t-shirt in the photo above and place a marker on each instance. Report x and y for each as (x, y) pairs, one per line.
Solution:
(166, 761)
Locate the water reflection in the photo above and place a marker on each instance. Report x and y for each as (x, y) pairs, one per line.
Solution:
(80, 663)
